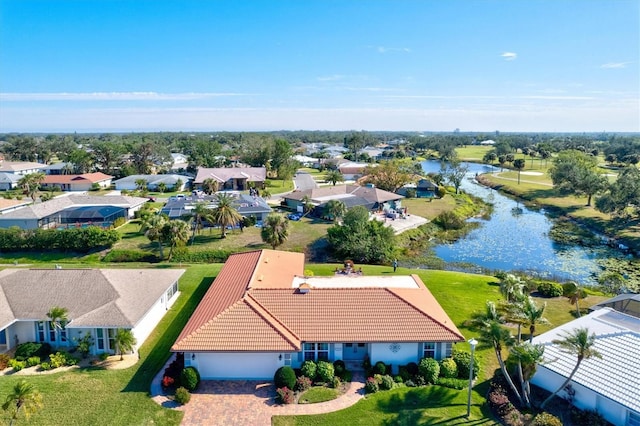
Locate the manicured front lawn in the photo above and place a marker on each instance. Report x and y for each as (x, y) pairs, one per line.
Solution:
(318, 394)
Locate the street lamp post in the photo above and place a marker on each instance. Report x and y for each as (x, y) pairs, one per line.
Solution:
(473, 342)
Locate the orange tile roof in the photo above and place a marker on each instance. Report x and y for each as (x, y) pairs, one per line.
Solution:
(91, 177)
(251, 306)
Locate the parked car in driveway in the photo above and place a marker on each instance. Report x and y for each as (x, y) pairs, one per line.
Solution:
(294, 216)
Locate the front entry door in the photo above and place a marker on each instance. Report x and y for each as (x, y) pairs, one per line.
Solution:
(355, 351)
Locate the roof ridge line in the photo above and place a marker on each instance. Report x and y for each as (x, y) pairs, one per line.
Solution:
(255, 270)
(251, 300)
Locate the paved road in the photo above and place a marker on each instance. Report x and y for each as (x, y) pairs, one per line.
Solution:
(304, 181)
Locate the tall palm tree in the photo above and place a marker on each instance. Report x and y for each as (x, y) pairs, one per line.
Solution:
(125, 341)
(307, 204)
(511, 287)
(225, 214)
(30, 184)
(23, 398)
(200, 213)
(141, 184)
(275, 230)
(574, 293)
(152, 228)
(334, 176)
(210, 186)
(335, 209)
(175, 233)
(533, 315)
(528, 357)
(580, 343)
(58, 317)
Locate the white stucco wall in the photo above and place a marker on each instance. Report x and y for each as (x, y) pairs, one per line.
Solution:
(235, 365)
(146, 325)
(25, 330)
(405, 353)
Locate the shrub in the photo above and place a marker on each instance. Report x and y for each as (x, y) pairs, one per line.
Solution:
(309, 369)
(404, 373)
(285, 395)
(118, 255)
(190, 378)
(398, 379)
(371, 386)
(29, 349)
(17, 365)
(380, 368)
(182, 396)
(587, 417)
(448, 368)
(386, 382)
(336, 382)
(463, 361)
(303, 383)
(119, 222)
(325, 372)
(546, 419)
(103, 356)
(167, 381)
(61, 359)
(347, 376)
(4, 361)
(32, 361)
(366, 363)
(409, 384)
(339, 367)
(45, 366)
(84, 344)
(453, 383)
(412, 368)
(285, 377)
(499, 402)
(549, 289)
(429, 369)
(449, 221)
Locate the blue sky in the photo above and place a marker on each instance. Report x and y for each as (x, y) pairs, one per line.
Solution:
(476, 65)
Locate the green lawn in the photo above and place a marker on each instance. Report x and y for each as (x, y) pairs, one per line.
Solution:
(318, 394)
(472, 152)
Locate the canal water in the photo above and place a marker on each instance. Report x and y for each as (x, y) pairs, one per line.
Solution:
(516, 238)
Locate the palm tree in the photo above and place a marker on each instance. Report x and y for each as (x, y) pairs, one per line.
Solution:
(335, 209)
(307, 204)
(334, 176)
(175, 233)
(574, 293)
(580, 343)
(519, 164)
(528, 357)
(24, 397)
(533, 315)
(511, 287)
(30, 184)
(162, 187)
(225, 214)
(200, 213)
(141, 184)
(275, 230)
(264, 193)
(210, 186)
(152, 228)
(125, 341)
(58, 316)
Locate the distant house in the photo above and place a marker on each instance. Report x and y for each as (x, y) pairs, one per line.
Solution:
(375, 153)
(170, 181)
(305, 161)
(60, 168)
(9, 181)
(351, 195)
(22, 167)
(73, 210)
(426, 189)
(626, 303)
(352, 170)
(98, 301)
(83, 182)
(7, 206)
(180, 161)
(232, 178)
(488, 142)
(609, 385)
(262, 313)
(246, 205)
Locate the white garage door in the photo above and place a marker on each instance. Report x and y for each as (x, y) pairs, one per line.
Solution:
(237, 365)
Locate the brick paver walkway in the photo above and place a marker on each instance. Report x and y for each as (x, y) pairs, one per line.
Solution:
(249, 402)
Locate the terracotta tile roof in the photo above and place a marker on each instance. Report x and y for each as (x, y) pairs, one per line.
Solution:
(91, 177)
(252, 306)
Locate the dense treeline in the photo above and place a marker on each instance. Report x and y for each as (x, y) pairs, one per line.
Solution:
(80, 240)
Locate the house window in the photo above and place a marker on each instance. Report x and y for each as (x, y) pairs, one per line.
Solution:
(172, 290)
(100, 339)
(40, 327)
(430, 350)
(111, 334)
(63, 333)
(448, 350)
(287, 359)
(316, 351)
(52, 332)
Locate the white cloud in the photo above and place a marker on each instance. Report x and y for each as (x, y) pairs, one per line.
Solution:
(613, 65)
(509, 56)
(113, 96)
(383, 49)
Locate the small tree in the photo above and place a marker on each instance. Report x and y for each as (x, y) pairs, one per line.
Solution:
(519, 164)
(125, 341)
(210, 186)
(334, 176)
(574, 293)
(335, 209)
(275, 230)
(58, 317)
(225, 214)
(23, 398)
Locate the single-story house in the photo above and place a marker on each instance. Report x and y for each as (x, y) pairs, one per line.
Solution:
(372, 152)
(170, 181)
(98, 301)
(9, 181)
(352, 171)
(246, 205)
(305, 161)
(628, 303)
(22, 167)
(351, 195)
(609, 385)
(179, 161)
(73, 210)
(234, 178)
(426, 189)
(60, 168)
(261, 313)
(83, 182)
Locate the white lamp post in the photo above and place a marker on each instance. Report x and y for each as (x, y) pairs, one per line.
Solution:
(473, 342)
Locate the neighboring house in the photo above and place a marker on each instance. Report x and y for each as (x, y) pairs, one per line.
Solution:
(375, 153)
(7, 206)
(180, 161)
(351, 195)
(305, 161)
(488, 142)
(426, 189)
(98, 301)
(246, 205)
(129, 183)
(609, 385)
(626, 303)
(352, 171)
(73, 210)
(22, 167)
(60, 168)
(234, 178)
(261, 313)
(9, 181)
(83, 182)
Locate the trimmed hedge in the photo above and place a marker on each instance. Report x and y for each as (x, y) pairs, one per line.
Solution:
(74, 239)
(117, 256)
(325, 372)
(285, 377)
(429, 369)
(182, 396)
(190, 378)
(549, 289)
(184, 255)
(309, 369)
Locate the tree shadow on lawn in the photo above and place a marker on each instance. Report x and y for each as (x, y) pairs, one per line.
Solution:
(157, 355)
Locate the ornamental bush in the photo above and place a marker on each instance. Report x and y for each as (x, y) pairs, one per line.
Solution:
(371, 386)
(386, 382)
(325, 372)
(339, 367)
(412, 368)
(303, 383)
(45, 366)
(463, 361)
(549, 289)
(4, 361)
(182, 396)
(309, 369)
(32, 361)
(285, 377)
(448, 368)
(546, 419)
(429, 369)
(61, 359)
(285, 395)
(190, 378)
(29, 349)
(380, 368)
(17, 365)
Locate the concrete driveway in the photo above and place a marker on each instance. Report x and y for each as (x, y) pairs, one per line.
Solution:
(304, 181)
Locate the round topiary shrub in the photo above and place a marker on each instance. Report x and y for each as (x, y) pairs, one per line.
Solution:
(448, 368)
(550, 289)
(325, 372)
(546, 419)
(190, 378)
(285, 377)
(380, 368)
(386, 382)
(412, 368)
(182, 396)
(309, 369)
(463, 361)
(429, 369)
(339, 367)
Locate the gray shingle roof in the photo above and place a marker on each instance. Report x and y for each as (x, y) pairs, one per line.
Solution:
(38, 211)
(93, 297)
(154, 179)
(223, 174)
(617, 374)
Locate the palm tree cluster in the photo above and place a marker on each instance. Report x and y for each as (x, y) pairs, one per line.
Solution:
(30, 184)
